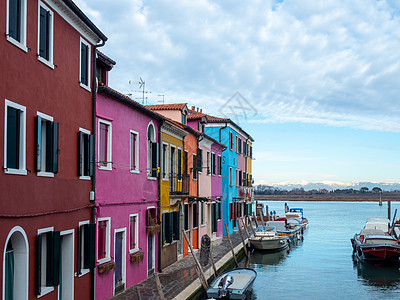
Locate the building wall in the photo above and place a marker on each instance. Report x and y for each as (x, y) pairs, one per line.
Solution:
(120, 192)
(39, 202)
(216, 184)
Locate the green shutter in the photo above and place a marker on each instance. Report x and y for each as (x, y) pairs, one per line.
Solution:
(80, 153)
(56, 261)
(54, 158)
(168, 228)
(200, 160)
(154, 159)
(176, 225)
(44, 34)
(214, 217)
(91, 154)
(38, 143)
(9, 275)
(79, 249)
(13, 137)
(84, 64)
(38, 265)
(14, 19)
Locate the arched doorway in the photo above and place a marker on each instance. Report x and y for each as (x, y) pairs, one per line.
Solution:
(16, 265)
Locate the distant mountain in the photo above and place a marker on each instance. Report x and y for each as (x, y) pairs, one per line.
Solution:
(331, 185)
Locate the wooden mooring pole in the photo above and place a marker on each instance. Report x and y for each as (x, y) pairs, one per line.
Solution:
(201, 275)
(251, 226)
(159, 288)
(243, 242)
(212, 262)
(244, 223)
(255, 219)
(230, 243)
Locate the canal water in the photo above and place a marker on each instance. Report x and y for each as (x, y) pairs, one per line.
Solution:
(322, 266)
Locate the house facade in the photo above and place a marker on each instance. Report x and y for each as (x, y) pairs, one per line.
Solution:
(47, 130)
(126, 193)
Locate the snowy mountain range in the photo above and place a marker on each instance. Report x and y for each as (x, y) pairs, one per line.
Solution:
(328, 185)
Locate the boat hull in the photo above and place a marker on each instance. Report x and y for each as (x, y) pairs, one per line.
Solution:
(376, 253)
(274, 244)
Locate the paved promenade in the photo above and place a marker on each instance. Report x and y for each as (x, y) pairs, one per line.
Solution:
(180, 280)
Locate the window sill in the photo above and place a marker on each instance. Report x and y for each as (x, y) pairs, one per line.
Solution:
(103, 260)
(18, 44)
(84, 272)
(45, 174)
(165, 179)
(203, 225)
(135, 171)
(152, 178)
(131, 251)
(85, 177)
(15, 171)
(45, 291)
(46, 62)
(86, 87)
(105, 168)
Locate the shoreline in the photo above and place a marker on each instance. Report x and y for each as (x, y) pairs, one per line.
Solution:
(333, 198)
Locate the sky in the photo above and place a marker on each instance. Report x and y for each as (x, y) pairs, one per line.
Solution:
(315, 83)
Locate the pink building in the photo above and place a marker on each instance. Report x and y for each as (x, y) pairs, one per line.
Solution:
(127, 199)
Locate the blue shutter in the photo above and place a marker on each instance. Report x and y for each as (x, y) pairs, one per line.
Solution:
(38, 143)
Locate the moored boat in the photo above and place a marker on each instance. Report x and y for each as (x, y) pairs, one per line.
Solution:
(374, 244)
(289, 228)
(268, 239)
(233, 284)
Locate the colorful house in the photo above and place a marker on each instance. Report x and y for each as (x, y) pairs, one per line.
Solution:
(127, 199)
(46, 191)
(235, 202)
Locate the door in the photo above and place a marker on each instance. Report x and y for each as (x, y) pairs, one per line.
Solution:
(66, 287)
(150, 253)
(119, 263)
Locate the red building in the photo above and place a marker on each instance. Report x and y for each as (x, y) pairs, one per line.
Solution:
(46, 104)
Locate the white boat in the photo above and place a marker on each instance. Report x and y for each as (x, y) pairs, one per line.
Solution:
(268, 239)
(233, 284)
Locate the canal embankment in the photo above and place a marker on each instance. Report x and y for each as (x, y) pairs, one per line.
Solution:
(180, 280)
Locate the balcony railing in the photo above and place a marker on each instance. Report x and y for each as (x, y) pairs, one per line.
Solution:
(179, 184)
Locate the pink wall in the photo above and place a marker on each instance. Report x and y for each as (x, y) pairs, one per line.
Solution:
(216, 184)
(120, 193)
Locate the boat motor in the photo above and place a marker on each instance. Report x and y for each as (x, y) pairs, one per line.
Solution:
(223, 285)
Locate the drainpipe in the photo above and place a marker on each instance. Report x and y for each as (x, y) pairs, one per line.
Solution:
(159, 196)
(94, 92)
(226, 125)
(198, 139)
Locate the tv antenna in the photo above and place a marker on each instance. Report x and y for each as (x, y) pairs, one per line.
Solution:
(162, 98)
(142, 85)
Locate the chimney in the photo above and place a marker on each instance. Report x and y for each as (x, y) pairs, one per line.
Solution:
(201, 110)
(193, 107)
(197, 109)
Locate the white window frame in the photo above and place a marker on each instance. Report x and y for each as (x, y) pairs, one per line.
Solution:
(22, 44)
(136, 170)
(44, 289)
(165, 161)
(149, 156)
(136, 249)
(83, 271)
(43, 157)
(49, 62)
(109, 145)
(108, 242)
(215, 164)
(85, 131)
(22, 151)
(171, 167)
(181, 159)
(83, 41)
(202, 213)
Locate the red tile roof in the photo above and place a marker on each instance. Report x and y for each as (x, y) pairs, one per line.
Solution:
(174, 106)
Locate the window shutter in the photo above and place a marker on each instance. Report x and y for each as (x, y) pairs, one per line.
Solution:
(195, 215)
(14, 19)
(49, 259)
(80, 153)
(38, 143)
(55, 147)
(91, 154)
(38, 272)
(194, 166)
(231, 211)
(154, 159)
(84, 63)
(90, 260)
(214, 217)
(13, 132)
(185, 162)
(168, 229)
(56, 257)
(200, 160)
(44, 33)
(79, 249)
(179, 164)
(176, 225)
(186, 217)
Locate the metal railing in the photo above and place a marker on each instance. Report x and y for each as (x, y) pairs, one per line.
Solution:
(179, 184)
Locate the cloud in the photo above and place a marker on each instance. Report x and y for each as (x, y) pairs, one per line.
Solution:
(325, 62)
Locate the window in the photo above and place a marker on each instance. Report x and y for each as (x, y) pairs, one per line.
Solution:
(16, 23)
(195, 215)
(170, 227)
(251, 151)
(239, 145)
(84, 70)
(152, 152)
(15, 139)
(179, 171)
(230, 140)
(173, 162)
(230, 176)
(199, 160)
(103, 239)
(244, 148)
(133, 233)
(46, 145)
(105, 145)
(213, 164)
(240, 178)
(134, 151)
(183, 119)
(186, 217)
(244, 179)
(237, 177)
(236, 145)
(86, 250)
(86, 154)
(45, 35)
(219, 165)
(165, 161)
(202, 213)
(208, 163)
(47, 260)
(194, 167)
(185, 162)
(219, 209)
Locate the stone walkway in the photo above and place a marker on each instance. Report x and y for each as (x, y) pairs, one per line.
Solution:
(176, 277)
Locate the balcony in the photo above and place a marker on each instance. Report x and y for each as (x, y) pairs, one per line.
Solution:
(179, 184)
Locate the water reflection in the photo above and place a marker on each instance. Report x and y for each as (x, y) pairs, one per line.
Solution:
(267, 258)
(382, 276)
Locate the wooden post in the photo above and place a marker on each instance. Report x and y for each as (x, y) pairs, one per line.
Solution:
(389, 213)
(255, 219)
(243, 242)
(138, 293)
(252, 228)
(262, 219)
(244, 223)
(230, 243)
(204, 281)
(159, 288)
(212, 262)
